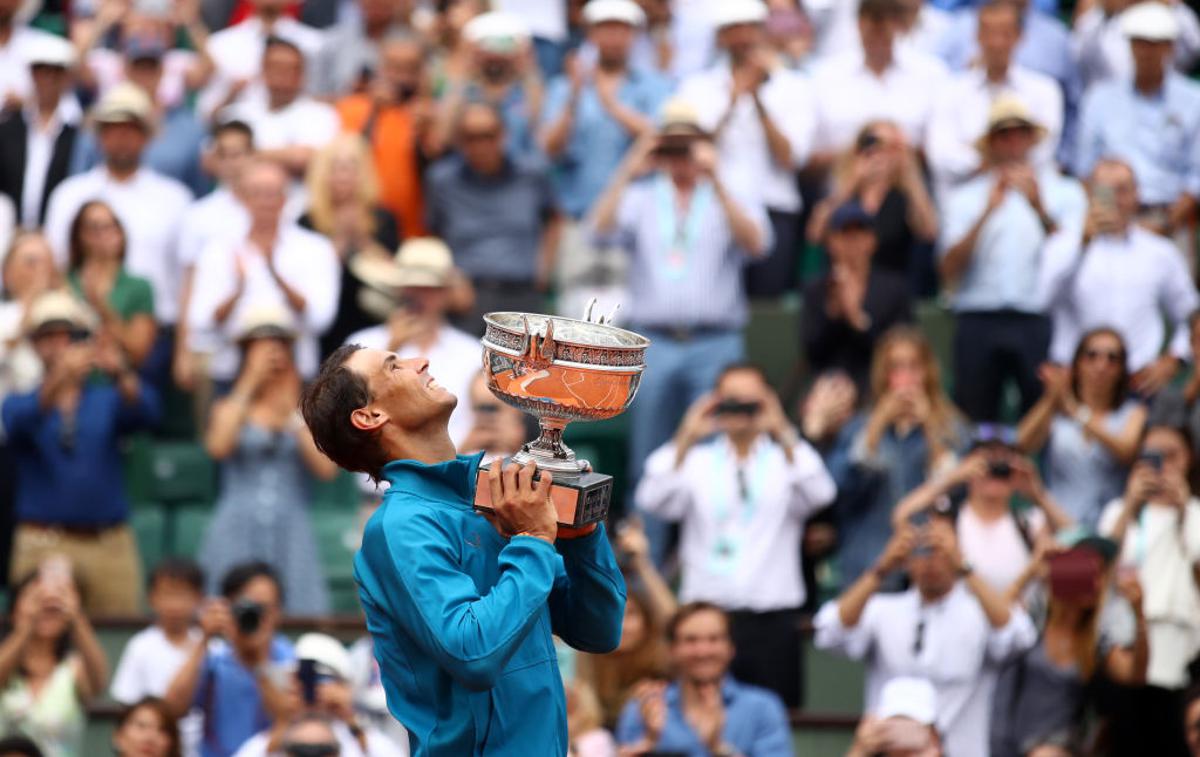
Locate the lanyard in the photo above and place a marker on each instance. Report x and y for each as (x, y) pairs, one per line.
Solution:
(679, 238)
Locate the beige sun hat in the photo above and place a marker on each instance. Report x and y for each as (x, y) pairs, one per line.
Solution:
(679, 118)
(59, 309)
(420, 262)
(266, 322)
(125, 103)
(1005, 112)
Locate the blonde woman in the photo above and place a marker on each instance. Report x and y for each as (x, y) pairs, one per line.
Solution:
(343, 194)
(909, 430)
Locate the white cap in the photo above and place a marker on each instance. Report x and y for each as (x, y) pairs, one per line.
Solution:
(326, 651)
(912, 698)
(496, 29)
(731, 12)
(1151, 21)
(49, 50)
(622, 11)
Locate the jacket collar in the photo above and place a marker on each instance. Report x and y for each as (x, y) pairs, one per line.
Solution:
(451, 482)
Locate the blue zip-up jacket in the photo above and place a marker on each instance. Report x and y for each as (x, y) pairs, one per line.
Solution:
(462, 618)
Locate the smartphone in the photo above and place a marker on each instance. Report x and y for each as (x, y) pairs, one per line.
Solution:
(1001, 469)
(306, 672)
(1153, 458)
(55, 573)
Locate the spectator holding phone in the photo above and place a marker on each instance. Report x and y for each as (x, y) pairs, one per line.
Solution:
(234, 675)
(950, 627)
(320, 686)
(741, 483)
(1157, 524)
(1084, 631)
(51, 663)
(1087, 425)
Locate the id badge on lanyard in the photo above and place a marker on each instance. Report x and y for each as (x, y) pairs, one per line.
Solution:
(679, 233)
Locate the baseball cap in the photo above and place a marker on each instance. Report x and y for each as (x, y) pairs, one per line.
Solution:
(908, 697)
(850, 214)
(1150, 21)
(143, 47)
(497, 32)
(327, 652)
(49, 50)
(621, 11)
(1079, 537)
(733, 12)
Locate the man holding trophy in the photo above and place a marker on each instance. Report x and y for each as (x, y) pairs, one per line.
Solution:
(462, 604)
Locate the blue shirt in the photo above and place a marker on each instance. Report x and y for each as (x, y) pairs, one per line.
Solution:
(174, 151)
(74, 476)
(228, 696)
(462, 618)
(493, 224)
(1045, 6)
(1003, 271)
(598, 142)
(1158, 136)
(756, 723)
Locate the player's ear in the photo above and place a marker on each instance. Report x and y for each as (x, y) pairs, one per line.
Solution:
(368, 419)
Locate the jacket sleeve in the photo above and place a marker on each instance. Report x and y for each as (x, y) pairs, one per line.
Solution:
(587, 605)
(414, 565)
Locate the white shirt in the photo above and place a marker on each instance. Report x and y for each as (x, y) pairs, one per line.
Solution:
(957, 647)
(455, 359)
(995, 549)
(217, 215)
(906, 94)
(306, 261)
(304, 122)
(39, 149)
(150, 207)
(960, 119)
(544, 18)
(744, 153)
(148, 664)
(237, 52)
(836, 25)
(108, 67)
(378, 745)
(1164, 552)
(1127, 282)
(741, 522)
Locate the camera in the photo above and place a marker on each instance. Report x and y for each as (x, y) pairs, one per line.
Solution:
(1153, 458)
(736, 407)
(999, 469)
(247, 615)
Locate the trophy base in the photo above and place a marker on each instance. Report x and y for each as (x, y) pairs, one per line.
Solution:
(580, 499)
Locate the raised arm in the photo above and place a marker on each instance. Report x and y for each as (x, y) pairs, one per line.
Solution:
(587, 605)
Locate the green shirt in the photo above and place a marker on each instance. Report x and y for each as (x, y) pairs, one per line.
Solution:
(131, 295)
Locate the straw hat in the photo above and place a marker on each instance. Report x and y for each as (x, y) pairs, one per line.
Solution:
(420, 262)
(59, 310)
(124, 103)
(266, 322)
(1006, 112)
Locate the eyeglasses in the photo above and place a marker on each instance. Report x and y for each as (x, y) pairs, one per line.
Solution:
(1113, 357)
(480, 136)
(310, 750)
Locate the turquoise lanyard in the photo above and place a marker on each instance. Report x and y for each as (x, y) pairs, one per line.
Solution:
(679, 239)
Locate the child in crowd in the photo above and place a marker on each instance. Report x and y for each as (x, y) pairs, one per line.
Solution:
(154, 655)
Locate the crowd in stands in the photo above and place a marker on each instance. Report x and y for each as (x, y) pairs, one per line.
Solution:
(201, 199)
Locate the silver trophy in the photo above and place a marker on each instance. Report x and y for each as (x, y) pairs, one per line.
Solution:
(561, 370)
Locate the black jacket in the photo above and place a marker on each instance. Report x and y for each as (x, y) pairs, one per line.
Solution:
(13, 134)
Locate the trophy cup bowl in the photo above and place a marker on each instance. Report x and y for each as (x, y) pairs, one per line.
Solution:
(561, 370)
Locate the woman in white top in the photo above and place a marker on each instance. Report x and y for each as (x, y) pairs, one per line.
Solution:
(28, 270)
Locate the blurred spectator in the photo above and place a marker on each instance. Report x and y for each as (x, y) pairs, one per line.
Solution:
(761, 117)
(1045, 46)
(237, 53)
(789, 33)
(594, 113)
(996, 538)
(994, 228)
(500, 72)
(370, 698)
(19, 746)
(268, 459)
(289, 127)
(1157, 524)
(547, 22)
(353, 49)
(882, 173)
(642, 656)
(960, 117)
(1176, 404)
(1084, 632)
(741, 499)
(897, 85)
(688, 236)
(274, 263)
(949, 628)
(310, 735)
(585, 729)
(1191, 720)
(846, 311)
(1087, 426)
(178, 136)
(149, 205)
(320, 686)
(146, 729)
(51, 663)
(1119, 275)
(1100, 45)
(654, 49)
(453, 55)
(18, 39)
(421, 276)
(1151, 122)
(496, 211)
(36, 140)
(909, 431)
(97, 275)
(64, 437)
(342, 206)
(27, 272)
(218, 213)
(705, 710)
(394, 116)
(153, 656)
(498, 429)
(236, 681)
(903, 724)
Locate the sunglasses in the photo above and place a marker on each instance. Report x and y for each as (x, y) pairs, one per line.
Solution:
(480, 136)
(1112, 357)
(310, 750)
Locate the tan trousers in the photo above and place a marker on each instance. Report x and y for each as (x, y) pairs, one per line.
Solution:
(107, 564)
